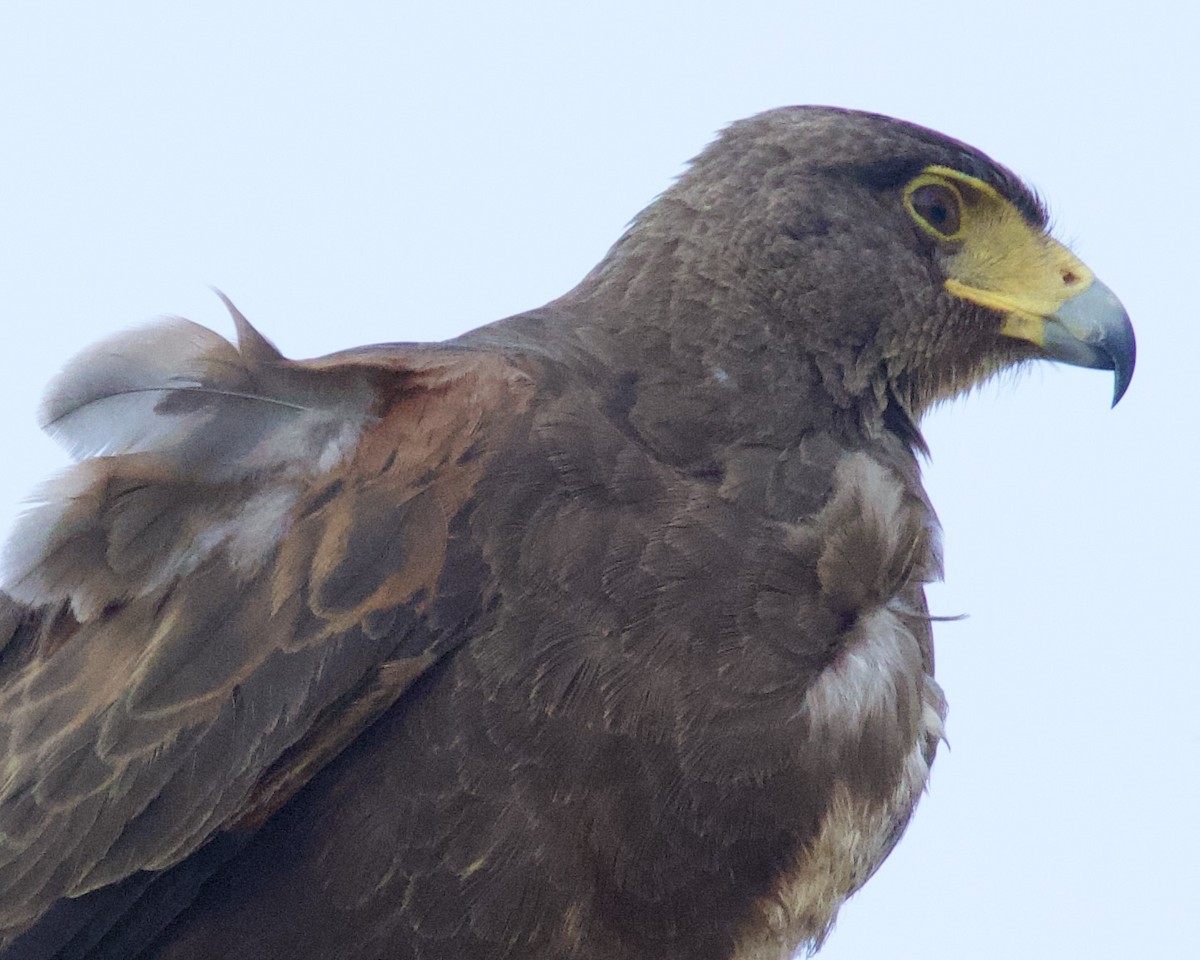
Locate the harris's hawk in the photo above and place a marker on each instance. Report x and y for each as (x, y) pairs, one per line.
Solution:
(597, 632)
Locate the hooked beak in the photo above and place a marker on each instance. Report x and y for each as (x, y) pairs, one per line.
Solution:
(1092, 329)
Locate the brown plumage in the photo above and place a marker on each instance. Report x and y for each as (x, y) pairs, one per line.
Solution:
(598, 632)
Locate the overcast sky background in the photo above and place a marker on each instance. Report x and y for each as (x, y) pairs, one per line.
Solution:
(360, 172)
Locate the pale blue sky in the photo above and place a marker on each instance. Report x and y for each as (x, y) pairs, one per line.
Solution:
(360, 172)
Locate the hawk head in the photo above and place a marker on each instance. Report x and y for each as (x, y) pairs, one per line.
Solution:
(847, 261)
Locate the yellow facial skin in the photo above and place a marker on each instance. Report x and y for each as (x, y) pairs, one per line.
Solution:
(995, 258)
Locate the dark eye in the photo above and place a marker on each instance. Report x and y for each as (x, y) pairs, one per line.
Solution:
(938, 206)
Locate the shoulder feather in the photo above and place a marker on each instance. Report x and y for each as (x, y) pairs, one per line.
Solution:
(225, 591)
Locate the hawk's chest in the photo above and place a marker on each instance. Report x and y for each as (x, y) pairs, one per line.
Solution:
(873, 705)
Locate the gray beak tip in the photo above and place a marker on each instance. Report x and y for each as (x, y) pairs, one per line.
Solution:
(1092, 329)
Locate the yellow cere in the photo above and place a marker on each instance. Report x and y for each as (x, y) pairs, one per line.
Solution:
(996, 259)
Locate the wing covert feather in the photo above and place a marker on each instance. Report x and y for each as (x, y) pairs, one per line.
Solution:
(208, 609)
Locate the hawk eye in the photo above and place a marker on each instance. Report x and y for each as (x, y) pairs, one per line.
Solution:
(938, 208)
